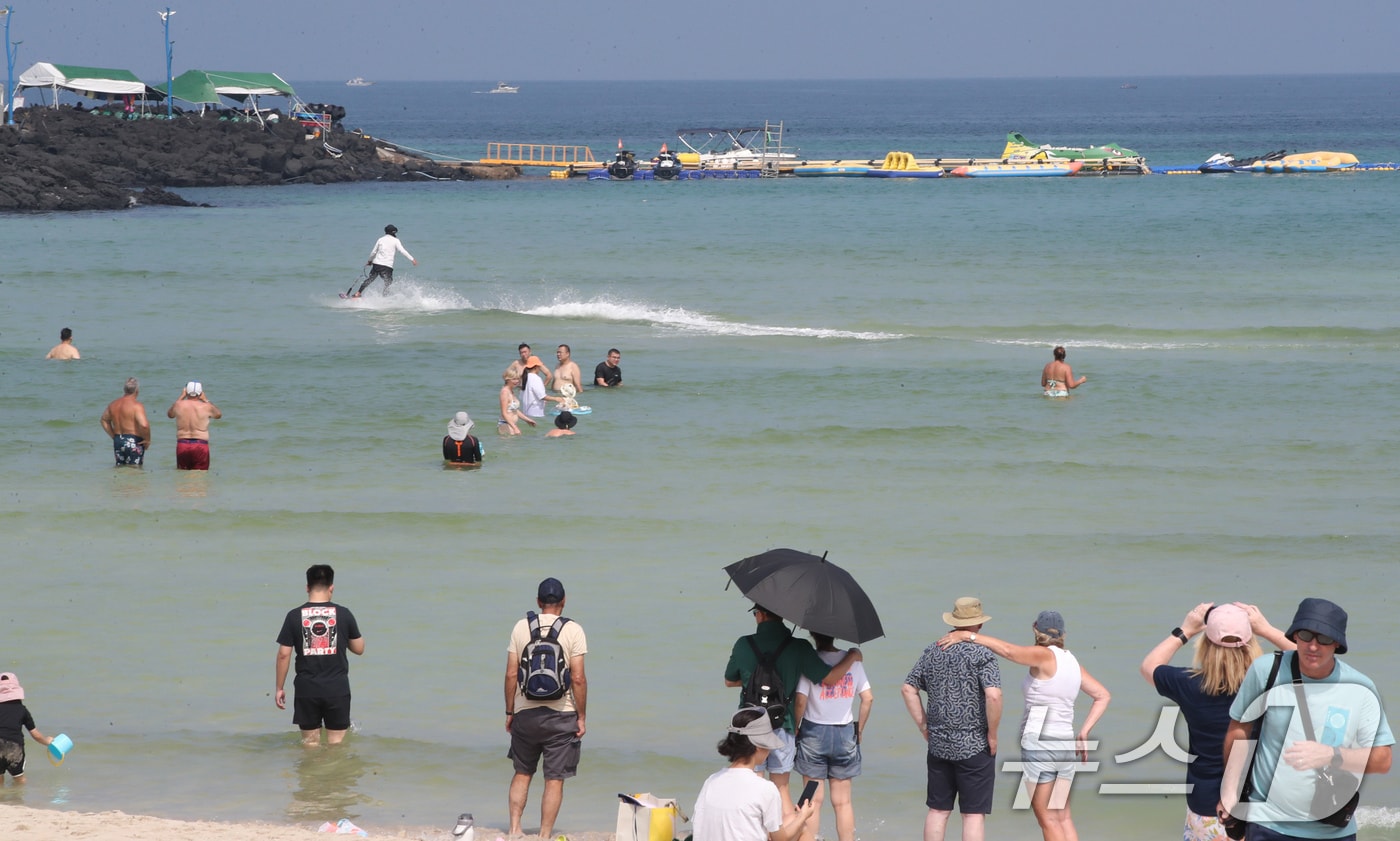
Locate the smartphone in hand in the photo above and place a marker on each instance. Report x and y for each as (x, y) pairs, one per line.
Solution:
(808, 792)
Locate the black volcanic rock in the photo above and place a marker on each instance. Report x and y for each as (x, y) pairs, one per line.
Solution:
(64, 159)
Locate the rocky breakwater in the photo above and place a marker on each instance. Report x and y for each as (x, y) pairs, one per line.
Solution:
(65, 159)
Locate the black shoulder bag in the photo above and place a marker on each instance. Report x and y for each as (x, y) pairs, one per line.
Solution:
(1329, 803)
(1235, 827)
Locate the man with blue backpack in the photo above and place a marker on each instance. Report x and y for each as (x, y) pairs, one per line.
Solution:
(546, 696)
(767, 665)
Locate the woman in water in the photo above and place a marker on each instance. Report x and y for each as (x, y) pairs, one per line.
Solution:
(510, 405)
(1050, 745)
(1058, 378)
(1225, 648)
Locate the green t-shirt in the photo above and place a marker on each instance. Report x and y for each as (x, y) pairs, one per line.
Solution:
(797, 660)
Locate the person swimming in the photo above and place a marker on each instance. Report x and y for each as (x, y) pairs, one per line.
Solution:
(1058, 378)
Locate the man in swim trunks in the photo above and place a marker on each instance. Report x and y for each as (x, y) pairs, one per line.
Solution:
(381, 259)
(64, 349)
(568, 371)
(125, 423)
(192, 413)
(525, 354)
(1058, 378)
(608, 374)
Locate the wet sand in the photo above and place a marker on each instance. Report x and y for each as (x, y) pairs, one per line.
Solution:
(26, 824)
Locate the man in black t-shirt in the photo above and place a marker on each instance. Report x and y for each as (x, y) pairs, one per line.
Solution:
(608, 374)
(320, 632)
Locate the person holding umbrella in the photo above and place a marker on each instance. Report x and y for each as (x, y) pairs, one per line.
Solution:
(774, 647)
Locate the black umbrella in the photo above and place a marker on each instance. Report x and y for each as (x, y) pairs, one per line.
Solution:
(809, 591)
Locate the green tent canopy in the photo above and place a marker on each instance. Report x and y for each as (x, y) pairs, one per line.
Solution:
(206, 86)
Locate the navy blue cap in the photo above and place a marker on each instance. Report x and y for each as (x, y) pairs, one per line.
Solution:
(551, 591)
(1051, 623)
(1321, 617)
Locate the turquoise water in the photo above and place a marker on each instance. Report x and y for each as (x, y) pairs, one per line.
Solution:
(832, 365)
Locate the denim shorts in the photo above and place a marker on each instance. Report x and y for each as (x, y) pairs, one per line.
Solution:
(780, 761)
(1044, 766)
(828, 751)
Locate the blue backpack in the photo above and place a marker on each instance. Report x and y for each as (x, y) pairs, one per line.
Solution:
(544, 667)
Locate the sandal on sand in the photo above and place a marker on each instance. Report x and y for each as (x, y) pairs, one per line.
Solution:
(463, 829)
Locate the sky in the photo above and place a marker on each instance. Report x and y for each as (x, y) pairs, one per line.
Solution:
(475, 40)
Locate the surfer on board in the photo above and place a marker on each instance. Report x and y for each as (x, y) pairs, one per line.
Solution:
(381, 259)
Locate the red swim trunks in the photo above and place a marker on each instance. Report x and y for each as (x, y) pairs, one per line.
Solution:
(191, 454)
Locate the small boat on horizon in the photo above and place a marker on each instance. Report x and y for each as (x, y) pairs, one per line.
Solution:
(502, 87)
(358, 82)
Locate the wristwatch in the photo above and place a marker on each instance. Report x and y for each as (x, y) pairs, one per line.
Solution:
(1336, 758)
(1180, 634)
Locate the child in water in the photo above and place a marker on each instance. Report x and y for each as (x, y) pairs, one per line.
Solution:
(13, 717)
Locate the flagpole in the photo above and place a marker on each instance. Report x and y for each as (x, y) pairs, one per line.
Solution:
(9, 12)
(169, 77)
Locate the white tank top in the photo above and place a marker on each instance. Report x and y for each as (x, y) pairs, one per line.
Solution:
(1050, 703)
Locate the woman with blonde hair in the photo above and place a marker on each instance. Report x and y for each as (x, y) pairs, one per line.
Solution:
(1051, 749)
(510, 404)
(1226, 645)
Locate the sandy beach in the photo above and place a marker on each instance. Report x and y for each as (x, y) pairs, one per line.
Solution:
(26, 824)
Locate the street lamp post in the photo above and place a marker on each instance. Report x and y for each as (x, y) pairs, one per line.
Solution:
(169, 78)
(8, 12)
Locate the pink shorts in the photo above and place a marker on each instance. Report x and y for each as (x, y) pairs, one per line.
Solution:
(191, 454)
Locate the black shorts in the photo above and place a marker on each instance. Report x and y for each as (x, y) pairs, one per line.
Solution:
(970, 780)
(551, 733)
(312, 713)
(11, 759)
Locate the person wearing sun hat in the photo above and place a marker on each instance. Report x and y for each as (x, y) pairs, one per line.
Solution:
(737, 804)
(14, 720)
(959, 723)
(532, 388)
(1226, 644)
(459, 446)
(1051, 748)
(1329, 724)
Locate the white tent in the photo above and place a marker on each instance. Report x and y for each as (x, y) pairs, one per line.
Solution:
(90, 82)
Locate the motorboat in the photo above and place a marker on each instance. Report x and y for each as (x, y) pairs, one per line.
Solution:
(358, 82)
(667, 165)
(1230, 163)
(743, 147)
(623, 166)
(502, 87)
(1018, 148)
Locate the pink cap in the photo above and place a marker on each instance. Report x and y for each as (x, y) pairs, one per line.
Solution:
(10, 690)
(1228, 625)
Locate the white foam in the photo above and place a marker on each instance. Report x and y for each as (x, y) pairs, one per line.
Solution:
(407, 296)
(1106, 344)
(681, 319)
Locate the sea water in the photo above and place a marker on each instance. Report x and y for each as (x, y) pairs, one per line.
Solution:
(845, 366)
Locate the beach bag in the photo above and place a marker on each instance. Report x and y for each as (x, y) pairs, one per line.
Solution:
(544, 667)
(765, 687)
(644, 817)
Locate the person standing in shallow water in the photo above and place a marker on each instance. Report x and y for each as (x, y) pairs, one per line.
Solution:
(1058, 378)
(319, 633)
(125, 423)
(381, 259)
(64, 349)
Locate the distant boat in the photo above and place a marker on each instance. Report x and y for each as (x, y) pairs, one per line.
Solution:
(359, 82)
(502, 87)
(1128, 86)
